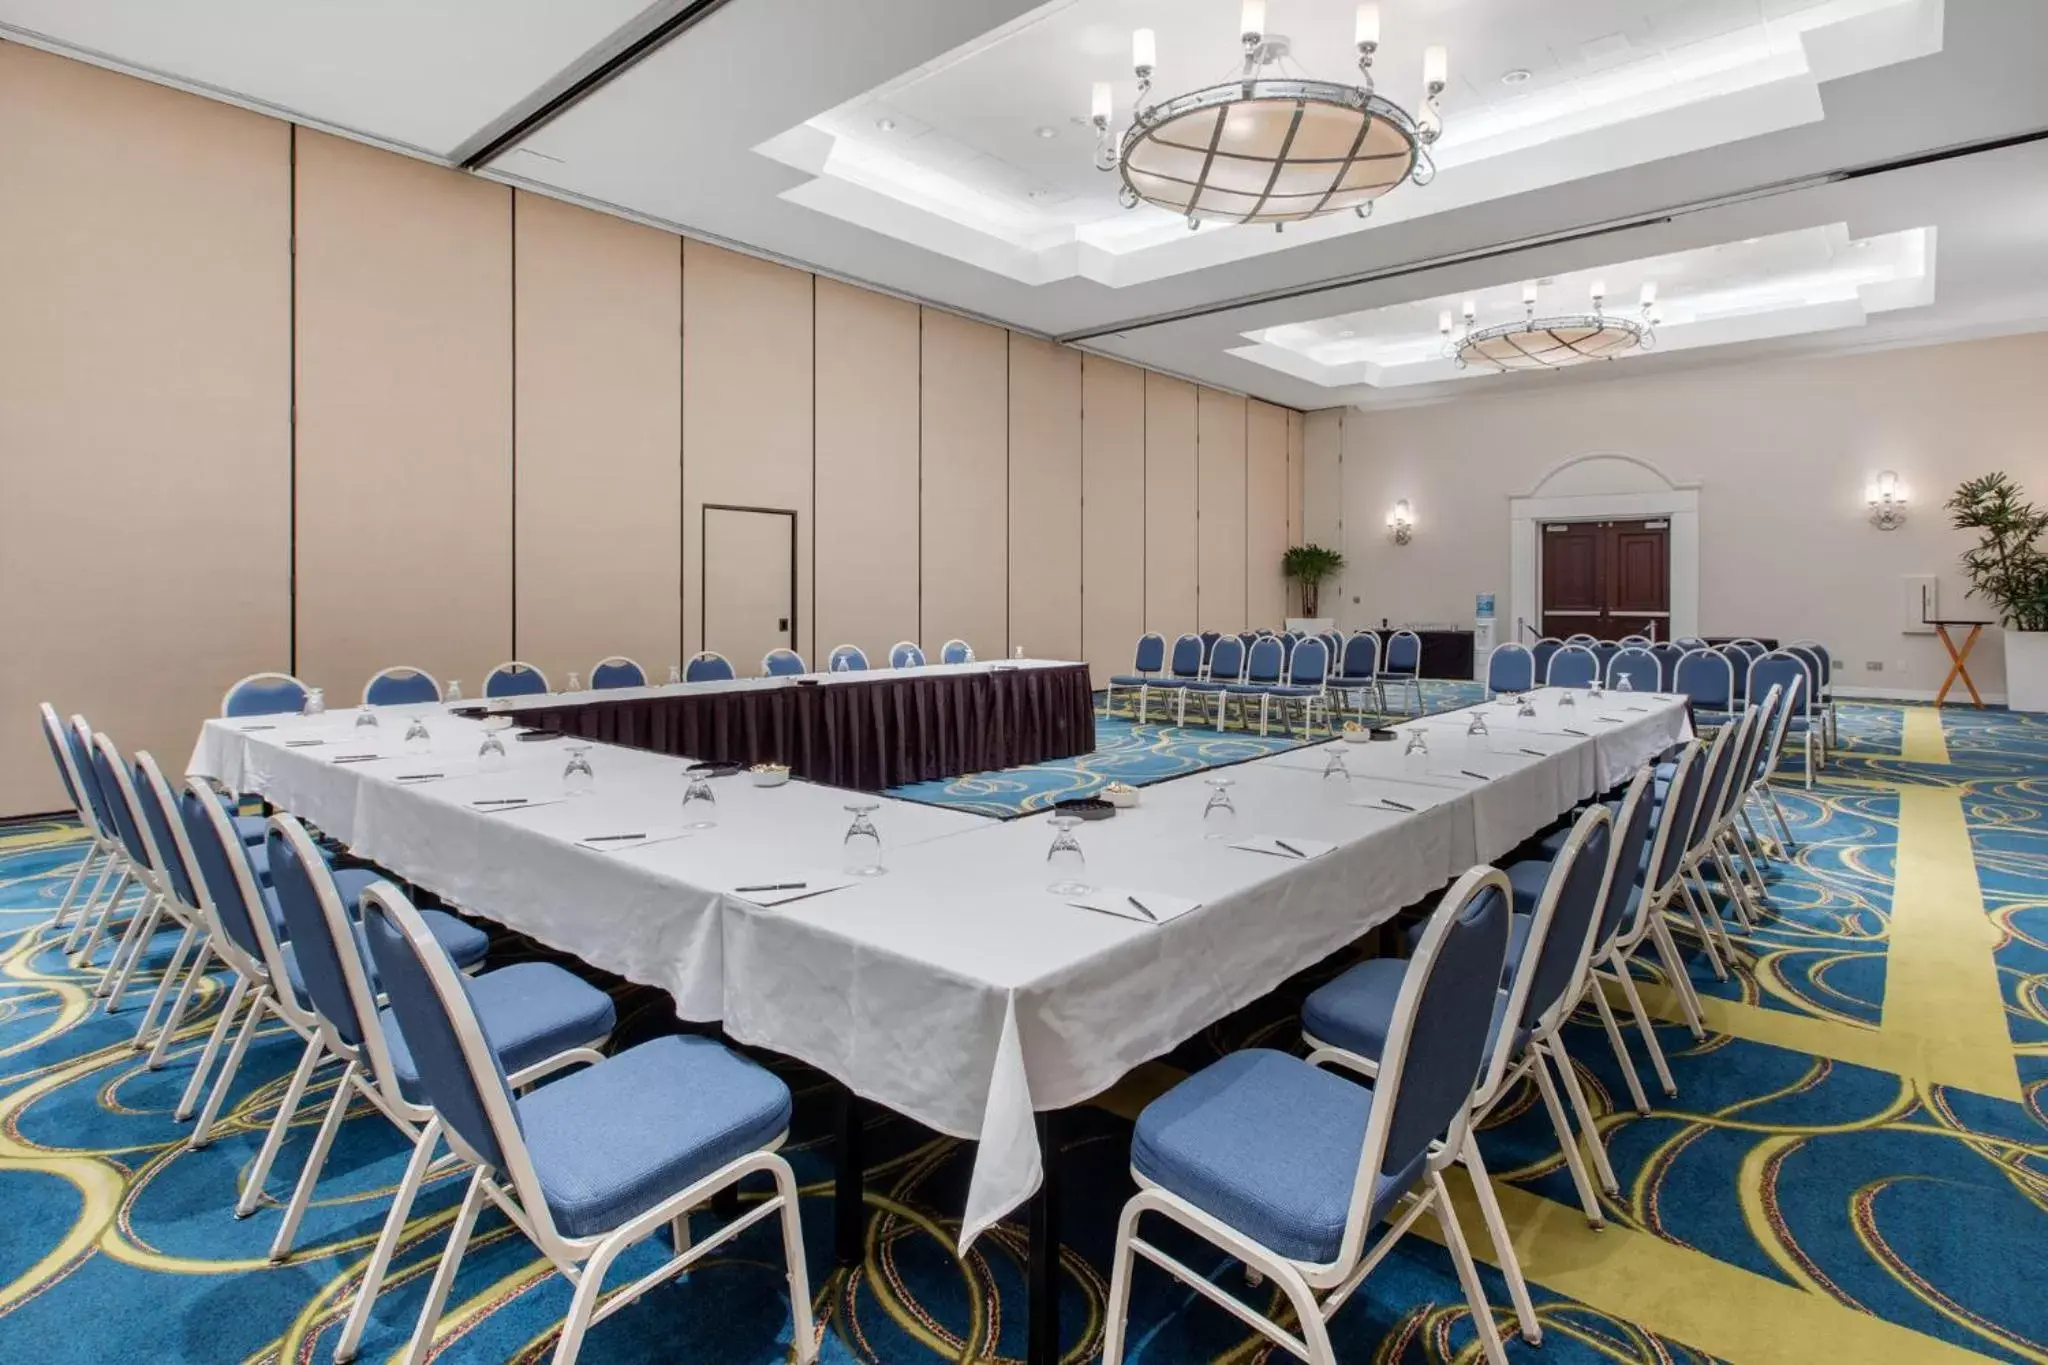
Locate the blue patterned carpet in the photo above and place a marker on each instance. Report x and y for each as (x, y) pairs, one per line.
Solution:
(1827, 1185)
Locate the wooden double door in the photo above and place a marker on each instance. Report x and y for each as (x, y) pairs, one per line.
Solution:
(1607, 579)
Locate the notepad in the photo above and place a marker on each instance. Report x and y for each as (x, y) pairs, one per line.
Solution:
(1124, 904)
(1289, 846)
(758, 889)
(626, 840)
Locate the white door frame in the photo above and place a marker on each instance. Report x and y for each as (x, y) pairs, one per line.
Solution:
(1677, 503)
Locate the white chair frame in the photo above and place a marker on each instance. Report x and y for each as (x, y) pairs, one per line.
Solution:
(956, 640)
(1109, 688)
(256, 678)
(915, 649)
(707, 654)
(516, 666)
(1301, 1281)
(98, 844)
(399, 671)
(776, 652)
(847, 651)
(608, 661)
(1413, 681)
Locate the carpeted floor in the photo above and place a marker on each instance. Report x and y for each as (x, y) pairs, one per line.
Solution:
(1855, 1169)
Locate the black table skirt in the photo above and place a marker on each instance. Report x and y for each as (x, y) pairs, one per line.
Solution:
(864, 735)
(1445, 653)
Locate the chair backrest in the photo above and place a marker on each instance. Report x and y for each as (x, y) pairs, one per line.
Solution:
(1542, 650)
(1333, 641)
(1436, 1038)
(515, 679)
(1245, 637)
(1706, 676)
(1582, 638)
(152, 862)
(1310, 664)
(1633, 641)
(1639, 666)
(1226, 664)
(1820, 653)
(114, 785)
(1668, 842)
(1361, 657)
(617, 671)
(400, 686)
(1560, 942)
(1667, 655)
(1690, 643)
(783, 662)
(1510, 668)
(1209, 639)
(1782, 668)
(1776, 724)
(327, 958)
(78, 740)
(454, 1057)
(1631, 832)
(1151, 653)
(1404, 652)
(60, 754)
(708, 665)
(1573, 665)
(160, 822)
(1750, 735)
(1266, 661)
(264, 694)
(846, 659)
(906, 654)
(956, 651)
(1186, 659)
(1722, 756)
(227, 882)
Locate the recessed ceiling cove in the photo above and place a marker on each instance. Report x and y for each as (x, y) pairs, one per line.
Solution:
(988, 154)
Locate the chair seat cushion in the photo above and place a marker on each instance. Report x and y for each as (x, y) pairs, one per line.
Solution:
(250, 829)
(1253, 689)
(530, 1012)
(1528, 877)
(612, 1141)
(1355, 1010)
(464, 943)
(1269, 1145)
(1348, 680)
(1131, 680)
(1295, 690)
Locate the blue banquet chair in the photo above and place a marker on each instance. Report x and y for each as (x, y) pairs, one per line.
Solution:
(1358, 670)
(102, 844)
(264, 694)
(1582, 638)
(683, 1119)
(708, 665)
(782, 662)
(617, 671)
(1707, 678)
(1572, 665)
(400, 686)
(1667, 655)
(1226, 666)
(1510, 668)
(99, 813)
(515, 679)
(846, 659)
(1402, 663)
(1639, 666)
(1184, 666)
(1824, 688)
(956, 651)
(906, 654)
(145, 912)
(1265, 666)
(1542, 650)
(1146, 662)
(1306, 682)
(1289, 1168)
(1795, 675)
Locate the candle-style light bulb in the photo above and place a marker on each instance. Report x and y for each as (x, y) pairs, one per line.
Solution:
(1443, 322)
(1649, 293)
(1254, 25)
(1529, 294)
(1104, 103)
(1367, 32)
(1144, 50)
(1436, 68)
(1471, 310)
(1599, 290)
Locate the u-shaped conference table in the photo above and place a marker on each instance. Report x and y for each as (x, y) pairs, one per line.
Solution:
(954, 989)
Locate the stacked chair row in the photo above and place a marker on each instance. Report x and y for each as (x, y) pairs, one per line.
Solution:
(273, 693)
(1269, 668)
(503, 1068)
(1288, 1164)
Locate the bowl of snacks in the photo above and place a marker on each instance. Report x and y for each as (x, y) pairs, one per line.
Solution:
(1122, 795)
(769, 774)
(1354, 733)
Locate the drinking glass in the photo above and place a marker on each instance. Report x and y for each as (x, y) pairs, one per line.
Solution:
(366, 717)
(1418, 743)
(1595, 690)
(577, 777)
(839, 664)
(417, 740)
(1565, 698)
(861, 850)
(1334, 765)
(1528, 707)
(699, 800)
(1624, 684)
(1219, 817)
(1018, 655)
(1478, 725)
(575, 684)
(454, 692)
(675, 673)
(316, 702)
(490, 755)
(1065, 860)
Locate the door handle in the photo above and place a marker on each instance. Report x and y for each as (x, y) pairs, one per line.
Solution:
(782, 623)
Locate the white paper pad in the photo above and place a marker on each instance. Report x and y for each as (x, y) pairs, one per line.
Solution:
(596, 841)
(814, 884)
(525, 803)
(427, 771)
(1308, 848)
(1112, 901)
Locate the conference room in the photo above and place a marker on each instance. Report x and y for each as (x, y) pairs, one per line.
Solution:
(987, 680)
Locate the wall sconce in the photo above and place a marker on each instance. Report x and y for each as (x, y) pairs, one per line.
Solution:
(1887, 499)
(1401, 521)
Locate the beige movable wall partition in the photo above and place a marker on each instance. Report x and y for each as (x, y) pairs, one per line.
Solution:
(511, 414)
(145, 409)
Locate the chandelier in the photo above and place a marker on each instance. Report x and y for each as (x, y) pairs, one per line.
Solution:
(1269, 146)
(1549, 343)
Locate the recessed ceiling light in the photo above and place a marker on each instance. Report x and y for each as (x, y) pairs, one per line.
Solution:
(887, 125)
(1516, 77)
(1046, 130)
(1347, 332)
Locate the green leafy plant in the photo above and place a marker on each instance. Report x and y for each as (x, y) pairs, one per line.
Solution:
(1309, 565)
(2007, 567)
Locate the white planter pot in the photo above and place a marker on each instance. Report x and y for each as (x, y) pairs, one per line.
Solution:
(2026, 670)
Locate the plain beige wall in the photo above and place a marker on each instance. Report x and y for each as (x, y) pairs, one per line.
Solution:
(510, 414)
(145, 409)
(1780, 453)
(1269, 469)
(599, 389)
(1220, 440)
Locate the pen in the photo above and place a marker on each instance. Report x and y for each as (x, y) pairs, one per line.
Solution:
(501, 801)
(774, 886)
(1580, 733)
(607, 838)
(1479, 776)
(418, 777)
(1392, 804)
(1290, 848)
(1142, 908)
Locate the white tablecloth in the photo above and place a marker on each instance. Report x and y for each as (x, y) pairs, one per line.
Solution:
(954, 989)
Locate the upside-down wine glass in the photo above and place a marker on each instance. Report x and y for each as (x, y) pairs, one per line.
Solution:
(699, 800)
(861, 850)
(1065, 860)
(1219, 817)
(578, 779)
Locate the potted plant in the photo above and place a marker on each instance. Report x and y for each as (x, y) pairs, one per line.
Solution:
(2008, 569)
(1309, 565)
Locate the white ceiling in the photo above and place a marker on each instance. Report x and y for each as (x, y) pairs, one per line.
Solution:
(757, 126)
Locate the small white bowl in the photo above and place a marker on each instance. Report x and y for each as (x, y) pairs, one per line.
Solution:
(1121, 800)
(1355, 736)
(769, 777)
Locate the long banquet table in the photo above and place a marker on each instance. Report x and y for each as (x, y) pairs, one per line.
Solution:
(954, 989)
(868, 730)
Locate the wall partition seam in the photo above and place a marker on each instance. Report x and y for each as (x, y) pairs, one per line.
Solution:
(512, 432)
(292, 399)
